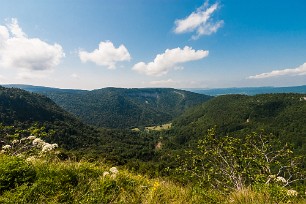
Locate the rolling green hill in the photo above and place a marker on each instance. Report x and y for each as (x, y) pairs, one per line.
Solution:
(122, 108)
(23, 109)
(280, 114)
(171, 152)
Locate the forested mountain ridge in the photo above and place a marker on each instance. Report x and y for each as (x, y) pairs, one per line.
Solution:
(171, 153)
(280, 114)
(23, 109)
(120, 107)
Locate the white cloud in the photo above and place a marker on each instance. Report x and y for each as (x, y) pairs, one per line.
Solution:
(163, 82)
(301, 70)
(75, 76)
(15, 29)
(168, 60)
(200, 21)
(106, 55)
(27, 55)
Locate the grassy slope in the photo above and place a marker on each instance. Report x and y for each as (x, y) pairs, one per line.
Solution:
(83, 182)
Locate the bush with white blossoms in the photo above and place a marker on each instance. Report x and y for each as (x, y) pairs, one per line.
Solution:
(49, 147)
(28, 145)
(38, 142)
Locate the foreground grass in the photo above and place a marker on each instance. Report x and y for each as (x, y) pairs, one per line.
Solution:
(44, 181)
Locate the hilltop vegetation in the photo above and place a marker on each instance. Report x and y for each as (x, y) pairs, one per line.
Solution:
(23, 113)
(237, 161)
(280, 114)
(40, 177)
(21, 109)
(122, 108)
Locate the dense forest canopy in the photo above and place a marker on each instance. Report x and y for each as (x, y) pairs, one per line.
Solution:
(122, 108)
(237, 124)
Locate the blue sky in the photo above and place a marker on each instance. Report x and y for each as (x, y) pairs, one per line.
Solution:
(90, 44)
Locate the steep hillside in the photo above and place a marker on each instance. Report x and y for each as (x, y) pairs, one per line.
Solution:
(24, 109)
(21, 110)
(122, 108)
(281, 114)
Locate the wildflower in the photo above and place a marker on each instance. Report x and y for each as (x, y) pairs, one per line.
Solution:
(31, 137)
(38, 142)
(30, 159)
(105, 173)
(114, 170)
(15, 142)
(113, 176)
(155, 186)
(48, 147)
(55, 145)
(6, 147)
(281, 179)
(292, 193)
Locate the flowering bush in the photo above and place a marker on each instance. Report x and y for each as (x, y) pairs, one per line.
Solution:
(28, 146)
(27, 143)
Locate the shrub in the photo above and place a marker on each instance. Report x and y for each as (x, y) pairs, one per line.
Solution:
(14, 171)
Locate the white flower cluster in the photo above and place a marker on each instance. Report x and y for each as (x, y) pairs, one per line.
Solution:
(31, 137)
(15, 142)
(46, 147)
(281, 179)
(38, 142)
(31, 159)
(112, 172)
(6, 147)
(292, 193)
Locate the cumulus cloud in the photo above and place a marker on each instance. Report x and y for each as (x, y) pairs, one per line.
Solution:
(106, 55)
(301, 70)
(27, 55)
(168, 60)
(200, 21)
(163, 82)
